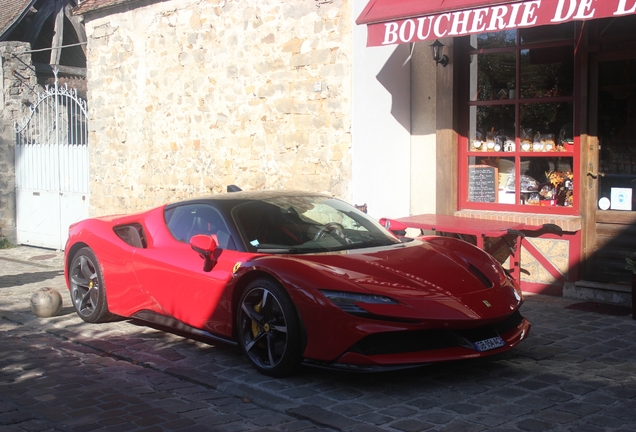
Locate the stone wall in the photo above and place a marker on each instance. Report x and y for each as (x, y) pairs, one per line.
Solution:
(557, 252)
(186, 97)
(18, 85)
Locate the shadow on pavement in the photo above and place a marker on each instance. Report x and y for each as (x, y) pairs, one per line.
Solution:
(27, 278)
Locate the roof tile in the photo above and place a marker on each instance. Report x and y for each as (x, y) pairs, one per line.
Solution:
(11, 11)
(94, 5)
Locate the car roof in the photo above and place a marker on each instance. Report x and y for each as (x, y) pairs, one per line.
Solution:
(231, 199)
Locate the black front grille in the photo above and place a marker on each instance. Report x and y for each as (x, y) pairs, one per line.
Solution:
(405, 341)
(427, 340)
(509, 323)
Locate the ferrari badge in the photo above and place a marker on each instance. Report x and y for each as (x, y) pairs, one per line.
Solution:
(487, 303)
(236, 267)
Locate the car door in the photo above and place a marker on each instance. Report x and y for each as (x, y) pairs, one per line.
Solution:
(172, 273)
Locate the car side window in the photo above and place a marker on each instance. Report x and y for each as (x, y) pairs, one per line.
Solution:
(132, 234)
(189, 220)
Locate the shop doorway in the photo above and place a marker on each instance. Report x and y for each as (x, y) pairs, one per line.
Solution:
(611, 170)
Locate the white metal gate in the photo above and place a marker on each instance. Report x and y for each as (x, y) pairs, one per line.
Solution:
(51, 165)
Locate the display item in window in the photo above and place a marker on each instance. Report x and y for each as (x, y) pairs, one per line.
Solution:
(547, 192)
(548, 195)
(533, 199)
(566, 134)
(562, 183)
(477, 145)
(526, 140)
(548, 142)
(499, 142)
(566, 140)
(528, 184)
(537, 146)
(509, 146)
(490, 141)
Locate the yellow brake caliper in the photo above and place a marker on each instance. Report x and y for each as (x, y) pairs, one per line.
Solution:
(256, 329)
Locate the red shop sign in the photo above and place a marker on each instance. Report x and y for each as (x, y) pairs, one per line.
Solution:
(402, 21)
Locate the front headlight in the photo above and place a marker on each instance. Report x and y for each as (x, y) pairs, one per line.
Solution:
(347, 300)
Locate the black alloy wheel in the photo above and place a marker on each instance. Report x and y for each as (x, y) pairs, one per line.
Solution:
(88, 293)
(269, 329)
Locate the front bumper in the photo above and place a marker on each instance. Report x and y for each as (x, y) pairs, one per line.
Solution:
(413, 347)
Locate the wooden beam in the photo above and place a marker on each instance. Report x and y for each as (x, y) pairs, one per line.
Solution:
(446, 137)
(77, 25)
(67, 70)
(58, 33)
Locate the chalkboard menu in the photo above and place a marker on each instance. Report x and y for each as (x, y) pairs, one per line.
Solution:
(482, 183)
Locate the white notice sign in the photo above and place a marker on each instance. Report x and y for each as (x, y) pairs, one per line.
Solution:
(621, 198)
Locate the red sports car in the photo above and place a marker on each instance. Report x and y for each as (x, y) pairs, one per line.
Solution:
(295, 277)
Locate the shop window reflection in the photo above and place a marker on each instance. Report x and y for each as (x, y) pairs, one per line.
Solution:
(496, 76)
(552, 33)
(495, 40)
(547, 72)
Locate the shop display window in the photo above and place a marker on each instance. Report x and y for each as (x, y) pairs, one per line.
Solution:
(520, 150)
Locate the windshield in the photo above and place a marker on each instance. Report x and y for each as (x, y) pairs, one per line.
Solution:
(303, 224)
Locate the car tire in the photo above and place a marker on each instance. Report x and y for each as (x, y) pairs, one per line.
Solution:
(87, 290)
(269, 331)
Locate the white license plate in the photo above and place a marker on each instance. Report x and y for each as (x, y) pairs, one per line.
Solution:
(489, 344)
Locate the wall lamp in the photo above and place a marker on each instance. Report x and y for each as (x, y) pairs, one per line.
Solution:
(439, 58)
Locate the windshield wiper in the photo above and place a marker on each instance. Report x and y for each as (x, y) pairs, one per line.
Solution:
(368, 244)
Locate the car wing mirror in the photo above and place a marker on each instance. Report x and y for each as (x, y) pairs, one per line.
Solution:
(398, 229)
(205, 246)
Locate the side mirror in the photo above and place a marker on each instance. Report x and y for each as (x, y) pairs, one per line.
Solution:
(397, 228)
(205, 246)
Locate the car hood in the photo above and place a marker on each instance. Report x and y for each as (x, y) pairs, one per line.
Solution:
(416, 269)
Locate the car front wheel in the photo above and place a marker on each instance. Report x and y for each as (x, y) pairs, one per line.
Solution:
(269, 328)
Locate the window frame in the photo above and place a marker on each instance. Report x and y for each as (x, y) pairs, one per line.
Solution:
(464, 152)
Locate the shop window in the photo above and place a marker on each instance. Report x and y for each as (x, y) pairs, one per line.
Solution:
(519, 153)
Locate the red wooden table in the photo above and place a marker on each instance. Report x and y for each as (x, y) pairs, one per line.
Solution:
(480, 228)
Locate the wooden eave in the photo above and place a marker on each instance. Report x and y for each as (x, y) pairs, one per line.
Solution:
(89, 6)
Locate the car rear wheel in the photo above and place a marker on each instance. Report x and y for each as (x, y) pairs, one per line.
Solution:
(269, 329)
(87, 287)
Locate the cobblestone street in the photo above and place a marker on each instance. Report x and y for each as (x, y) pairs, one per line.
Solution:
(576, 372)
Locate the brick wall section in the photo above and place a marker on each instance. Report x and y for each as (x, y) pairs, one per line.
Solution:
(18, 85)
(566, 223)
(186, 97)
(556, 251)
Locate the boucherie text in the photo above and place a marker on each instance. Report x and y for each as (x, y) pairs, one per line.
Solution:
(495, 18)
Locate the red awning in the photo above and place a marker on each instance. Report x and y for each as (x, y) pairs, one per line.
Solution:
(402, 21)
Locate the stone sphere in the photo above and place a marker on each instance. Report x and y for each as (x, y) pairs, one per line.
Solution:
(46, 302)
